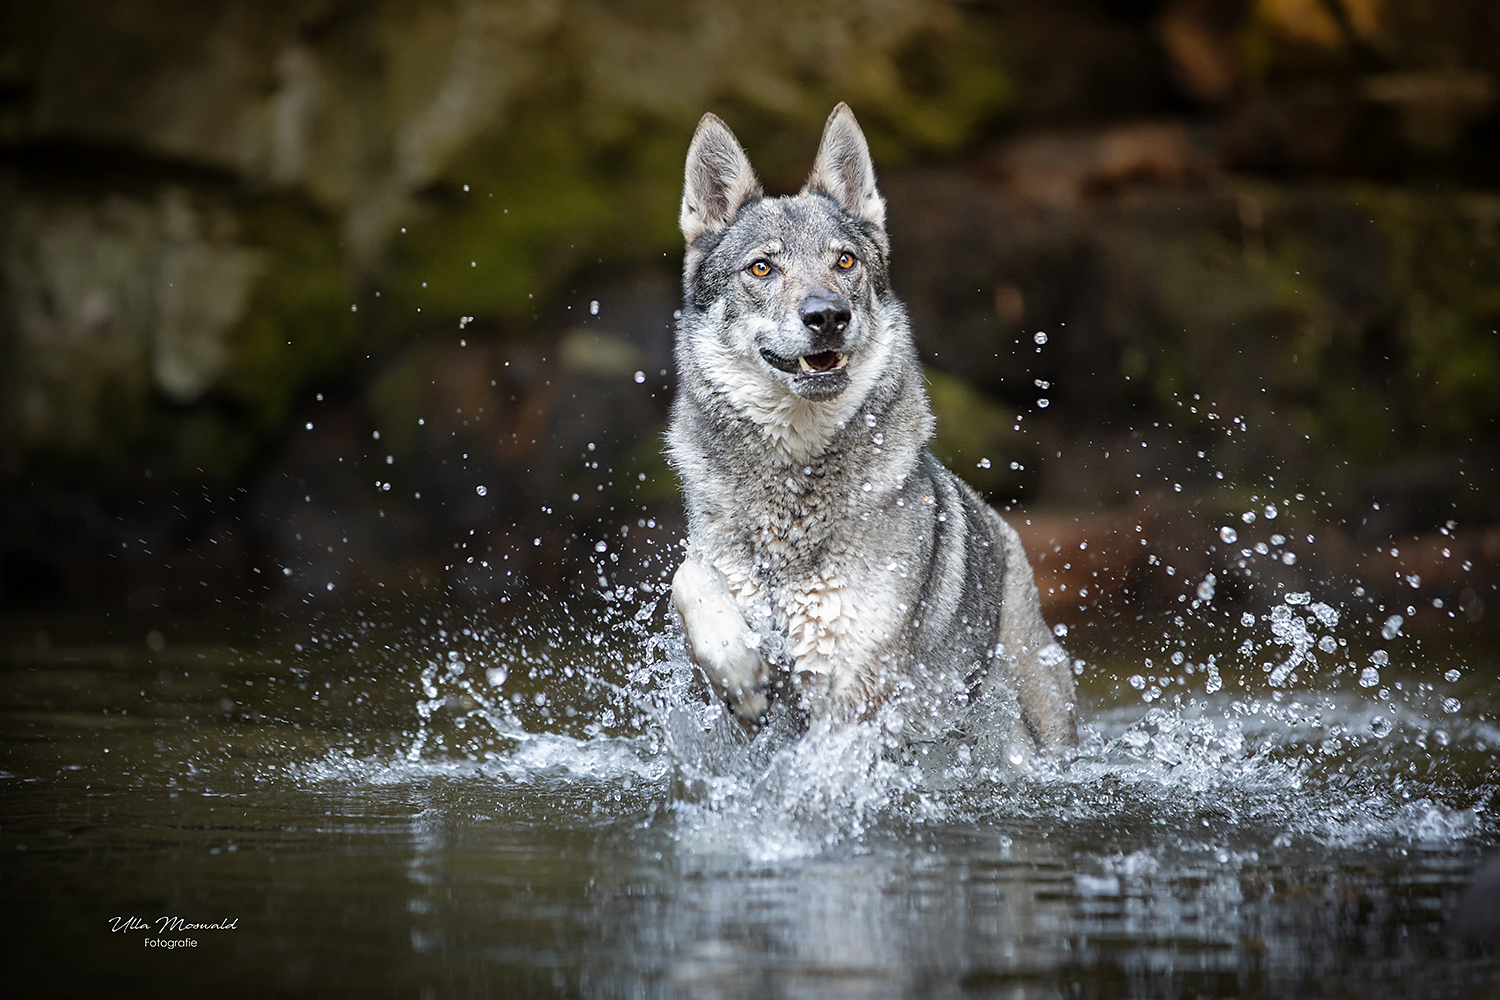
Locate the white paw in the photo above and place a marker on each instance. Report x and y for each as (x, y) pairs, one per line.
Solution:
(718, 640)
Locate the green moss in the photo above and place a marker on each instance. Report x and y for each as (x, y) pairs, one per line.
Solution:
(212, 443)
(649, 459)
(1444, 291)
(573, 178)
(977, 437)
(542, 201)
(299, 324)
(949, 82)
(397, 398)
(1359, 324)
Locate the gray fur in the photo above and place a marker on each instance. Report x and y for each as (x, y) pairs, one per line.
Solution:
(831, 559)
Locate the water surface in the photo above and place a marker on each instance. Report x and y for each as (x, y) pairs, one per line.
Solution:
(412, 803)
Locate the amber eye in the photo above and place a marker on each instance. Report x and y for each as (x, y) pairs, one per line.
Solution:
(761, 268)
(846, 261)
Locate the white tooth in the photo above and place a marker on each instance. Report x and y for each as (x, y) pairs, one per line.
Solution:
(842, 359)
(802, 363)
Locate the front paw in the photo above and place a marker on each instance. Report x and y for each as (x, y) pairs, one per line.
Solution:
(719, 641)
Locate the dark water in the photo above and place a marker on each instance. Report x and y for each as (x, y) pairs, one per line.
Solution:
(542, 808)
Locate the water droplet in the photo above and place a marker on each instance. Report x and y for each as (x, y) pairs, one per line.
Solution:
(309, 425)
(496, 676)
(594, 307)
(1298, 598)
(1043, 403)
(1451, 705)
(1271, 512)
(1248, 517)
(1059, 630)
(601, 546)
(866, 487)
(640, 377)
(1206, 587)
(1247, 619)
(1380, 657)
(1288, 558)
(1138, 682)
(1039, 339)
(1452, 676)
(1369, 677)
(1380, 726)
(330, 586)
(869, 420)
(481, 490)
(1392, 627)
(984, 463)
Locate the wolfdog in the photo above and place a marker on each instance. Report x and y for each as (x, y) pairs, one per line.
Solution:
(831, 560)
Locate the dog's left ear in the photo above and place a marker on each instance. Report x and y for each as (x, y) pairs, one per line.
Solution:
(843, 170)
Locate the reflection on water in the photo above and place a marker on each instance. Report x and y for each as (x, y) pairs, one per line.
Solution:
(440, 808)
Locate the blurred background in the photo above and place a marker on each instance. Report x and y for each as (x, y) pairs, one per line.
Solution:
(309, 302)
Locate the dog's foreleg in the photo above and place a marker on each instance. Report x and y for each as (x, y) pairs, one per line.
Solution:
(719, 641)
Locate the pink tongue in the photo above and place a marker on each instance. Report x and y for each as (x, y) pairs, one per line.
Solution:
(826, 361)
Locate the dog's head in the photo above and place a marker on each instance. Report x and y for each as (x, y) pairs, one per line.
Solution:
(788, 294)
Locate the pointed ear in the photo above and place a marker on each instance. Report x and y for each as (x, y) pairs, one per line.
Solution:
(718, 180)
(843, 170)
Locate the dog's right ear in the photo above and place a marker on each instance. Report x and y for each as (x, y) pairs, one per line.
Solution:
(718, 180)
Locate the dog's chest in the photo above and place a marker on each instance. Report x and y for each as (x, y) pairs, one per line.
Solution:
(810, 556)
(791, 520)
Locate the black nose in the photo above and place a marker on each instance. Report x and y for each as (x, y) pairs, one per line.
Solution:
(827, 316)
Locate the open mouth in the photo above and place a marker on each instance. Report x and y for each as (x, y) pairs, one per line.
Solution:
(822, 363)
(826, 361)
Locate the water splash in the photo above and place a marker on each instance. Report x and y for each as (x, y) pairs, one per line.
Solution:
(1218, 757)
